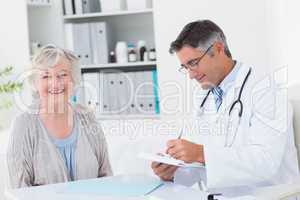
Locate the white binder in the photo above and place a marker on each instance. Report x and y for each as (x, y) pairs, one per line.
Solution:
(78, 7)
(112, 93)
(68, 4)
(146, 97)
(148, 89)
(100, 42)
(90, 6)
(91, 90)
(123, 91)
(140, 96)
(78, 40)
(113, 5)
(104, 94)
(132, 108)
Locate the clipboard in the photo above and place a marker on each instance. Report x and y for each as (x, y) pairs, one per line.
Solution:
(167, 159)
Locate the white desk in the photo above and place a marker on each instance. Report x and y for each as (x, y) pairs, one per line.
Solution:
(169, 191)
(166, 192)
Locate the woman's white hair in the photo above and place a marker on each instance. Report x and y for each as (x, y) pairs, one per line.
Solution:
(49, 56)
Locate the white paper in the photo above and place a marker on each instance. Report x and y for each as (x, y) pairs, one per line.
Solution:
(167, 159)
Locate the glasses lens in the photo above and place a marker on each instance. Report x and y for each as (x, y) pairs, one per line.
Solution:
(183, 70)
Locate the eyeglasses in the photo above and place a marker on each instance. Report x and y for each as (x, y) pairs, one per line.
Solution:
(193, 64)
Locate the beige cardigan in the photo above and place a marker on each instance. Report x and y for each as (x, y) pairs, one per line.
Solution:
(34, 160)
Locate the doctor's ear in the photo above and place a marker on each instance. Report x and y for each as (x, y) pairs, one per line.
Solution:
(218, 48)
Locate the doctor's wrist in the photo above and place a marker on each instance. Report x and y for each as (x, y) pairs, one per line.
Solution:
(201, 158)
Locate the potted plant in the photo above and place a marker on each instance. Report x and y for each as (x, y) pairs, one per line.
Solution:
(7, 88)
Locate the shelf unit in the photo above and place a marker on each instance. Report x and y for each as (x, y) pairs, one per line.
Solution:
(118, 65)
(47, 26)
(106, 14)
(39, 4)
(127, 117)
(129, 26)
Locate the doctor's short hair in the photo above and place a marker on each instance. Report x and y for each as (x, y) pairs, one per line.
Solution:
(48, 56)
(200, 34)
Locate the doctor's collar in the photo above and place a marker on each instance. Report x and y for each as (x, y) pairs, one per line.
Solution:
(230, 78)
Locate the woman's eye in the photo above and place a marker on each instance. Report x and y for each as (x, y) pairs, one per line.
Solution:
(45, 77)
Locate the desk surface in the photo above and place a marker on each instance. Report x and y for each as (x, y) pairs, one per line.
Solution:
(168, 191)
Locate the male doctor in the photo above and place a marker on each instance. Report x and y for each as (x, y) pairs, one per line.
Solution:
(254, 145)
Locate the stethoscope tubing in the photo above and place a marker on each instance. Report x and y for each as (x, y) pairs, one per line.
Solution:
(237, 101)
(234, 103)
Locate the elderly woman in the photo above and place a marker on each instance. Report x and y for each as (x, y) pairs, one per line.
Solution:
(55, 141)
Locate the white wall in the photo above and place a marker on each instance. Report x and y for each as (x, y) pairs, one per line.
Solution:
(14, 42)
(14, 51)
(292, 40)
(244, 23)
(51, 32)
(276, 11)
(14, 34)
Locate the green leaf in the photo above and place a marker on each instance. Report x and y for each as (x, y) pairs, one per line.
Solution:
(6, 71)
(8, 87)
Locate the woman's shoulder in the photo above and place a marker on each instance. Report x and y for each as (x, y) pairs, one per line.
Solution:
(23, 126)
(27, 115)
(84, 112)
(24, 118)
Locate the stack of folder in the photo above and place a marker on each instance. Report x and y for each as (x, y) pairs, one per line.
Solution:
(72, 7)
(89, 41)
(122, 93)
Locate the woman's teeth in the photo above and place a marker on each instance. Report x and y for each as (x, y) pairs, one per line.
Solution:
(56, 91)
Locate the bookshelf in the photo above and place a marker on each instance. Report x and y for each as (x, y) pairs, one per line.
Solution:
(48, 26)
(106, 14)
(119, 65)
(39, 3)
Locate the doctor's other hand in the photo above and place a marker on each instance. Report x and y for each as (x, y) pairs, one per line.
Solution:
(164, 171)
(186, 151)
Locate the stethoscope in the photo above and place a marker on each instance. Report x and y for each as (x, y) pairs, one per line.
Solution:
(237, 102)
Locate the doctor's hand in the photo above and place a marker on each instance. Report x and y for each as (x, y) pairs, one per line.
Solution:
(164, 171)
(186, 151)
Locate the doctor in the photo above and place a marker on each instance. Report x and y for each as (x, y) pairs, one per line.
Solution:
(249, 140)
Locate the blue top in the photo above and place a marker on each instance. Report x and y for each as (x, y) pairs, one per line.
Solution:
(67, 147)
(226, 84)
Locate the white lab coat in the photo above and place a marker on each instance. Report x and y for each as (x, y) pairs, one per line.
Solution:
(262, 152)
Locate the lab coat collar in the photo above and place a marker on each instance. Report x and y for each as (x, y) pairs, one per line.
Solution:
(241, 74)
(232, 93)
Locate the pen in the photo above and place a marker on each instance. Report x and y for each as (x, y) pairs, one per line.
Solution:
(180, 134)
(179, 137)
(166, 154)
